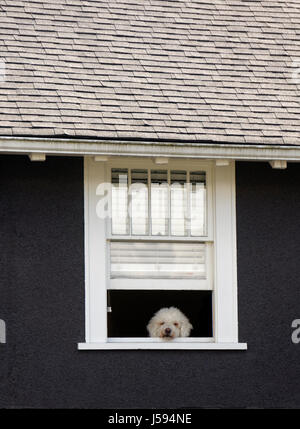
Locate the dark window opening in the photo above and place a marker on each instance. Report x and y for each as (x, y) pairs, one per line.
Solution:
(132, 310)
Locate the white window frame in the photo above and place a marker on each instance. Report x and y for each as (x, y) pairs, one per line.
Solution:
(221, 240)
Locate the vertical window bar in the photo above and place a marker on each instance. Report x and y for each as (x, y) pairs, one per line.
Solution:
(119, 201)
(149, 203)
(198, 203)
(169, 202)
(129, 208)
(178, 203)
(188, 208)
(139, 202)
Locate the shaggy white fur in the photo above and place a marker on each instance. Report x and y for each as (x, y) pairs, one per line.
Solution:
(169, 323)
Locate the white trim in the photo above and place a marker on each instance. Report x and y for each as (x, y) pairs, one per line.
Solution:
(222, 162)
(160, 284)
(95, 252)
(186, 149)
(37, 157)
(161, 160)
(99, 158)
(87, 250)
(172, 345)
(225, 291)
(204, 238)
(280, 165)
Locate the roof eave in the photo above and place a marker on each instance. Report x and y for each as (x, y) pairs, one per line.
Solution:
(145, 148)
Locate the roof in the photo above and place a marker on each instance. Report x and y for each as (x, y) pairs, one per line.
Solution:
(215, 70)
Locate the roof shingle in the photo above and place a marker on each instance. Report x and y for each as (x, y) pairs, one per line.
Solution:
(219, 70)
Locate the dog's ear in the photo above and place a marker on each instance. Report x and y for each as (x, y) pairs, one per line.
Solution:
(153, 327)
(186, 328)
(150, 328)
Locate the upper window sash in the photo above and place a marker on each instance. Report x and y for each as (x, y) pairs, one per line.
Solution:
(163, 202)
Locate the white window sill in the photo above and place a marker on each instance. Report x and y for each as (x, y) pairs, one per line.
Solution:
(157, 344)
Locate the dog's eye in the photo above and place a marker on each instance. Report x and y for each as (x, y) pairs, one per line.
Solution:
(162, 323)
(175, 324)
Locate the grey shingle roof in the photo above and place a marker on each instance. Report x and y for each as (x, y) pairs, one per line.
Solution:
(217, 70)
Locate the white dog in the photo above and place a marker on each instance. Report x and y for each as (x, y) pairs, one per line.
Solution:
(169, 323)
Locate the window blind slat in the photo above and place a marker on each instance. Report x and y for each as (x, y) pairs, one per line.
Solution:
(157, 260)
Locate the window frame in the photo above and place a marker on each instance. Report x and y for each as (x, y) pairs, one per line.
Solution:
(221, 239)
(207, 239)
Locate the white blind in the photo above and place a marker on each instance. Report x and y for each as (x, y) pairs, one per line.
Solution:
(157, 260)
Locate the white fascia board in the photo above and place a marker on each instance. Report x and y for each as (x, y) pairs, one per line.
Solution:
(79, 147)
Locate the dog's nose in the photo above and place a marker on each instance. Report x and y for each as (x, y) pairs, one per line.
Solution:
(168, 331)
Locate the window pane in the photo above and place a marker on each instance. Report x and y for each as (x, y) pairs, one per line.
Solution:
(157, 260)
(119, 197)
(159, 202)
(178, 203)
(198, 203)
(139, 202)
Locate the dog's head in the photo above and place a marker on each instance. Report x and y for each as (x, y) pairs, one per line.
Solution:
(169, 323)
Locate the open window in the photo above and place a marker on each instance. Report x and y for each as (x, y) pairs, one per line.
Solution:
(132, 310)
(159, 236)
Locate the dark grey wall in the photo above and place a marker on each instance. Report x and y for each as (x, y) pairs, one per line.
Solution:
(42, 302)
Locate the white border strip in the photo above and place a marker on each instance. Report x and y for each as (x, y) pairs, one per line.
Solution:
(172, 345)
(159, 340)
(77, 147)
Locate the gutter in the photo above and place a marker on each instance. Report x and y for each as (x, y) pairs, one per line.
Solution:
(170, 149)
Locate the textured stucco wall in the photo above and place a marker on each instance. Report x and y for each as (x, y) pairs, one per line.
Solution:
(42, 302)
